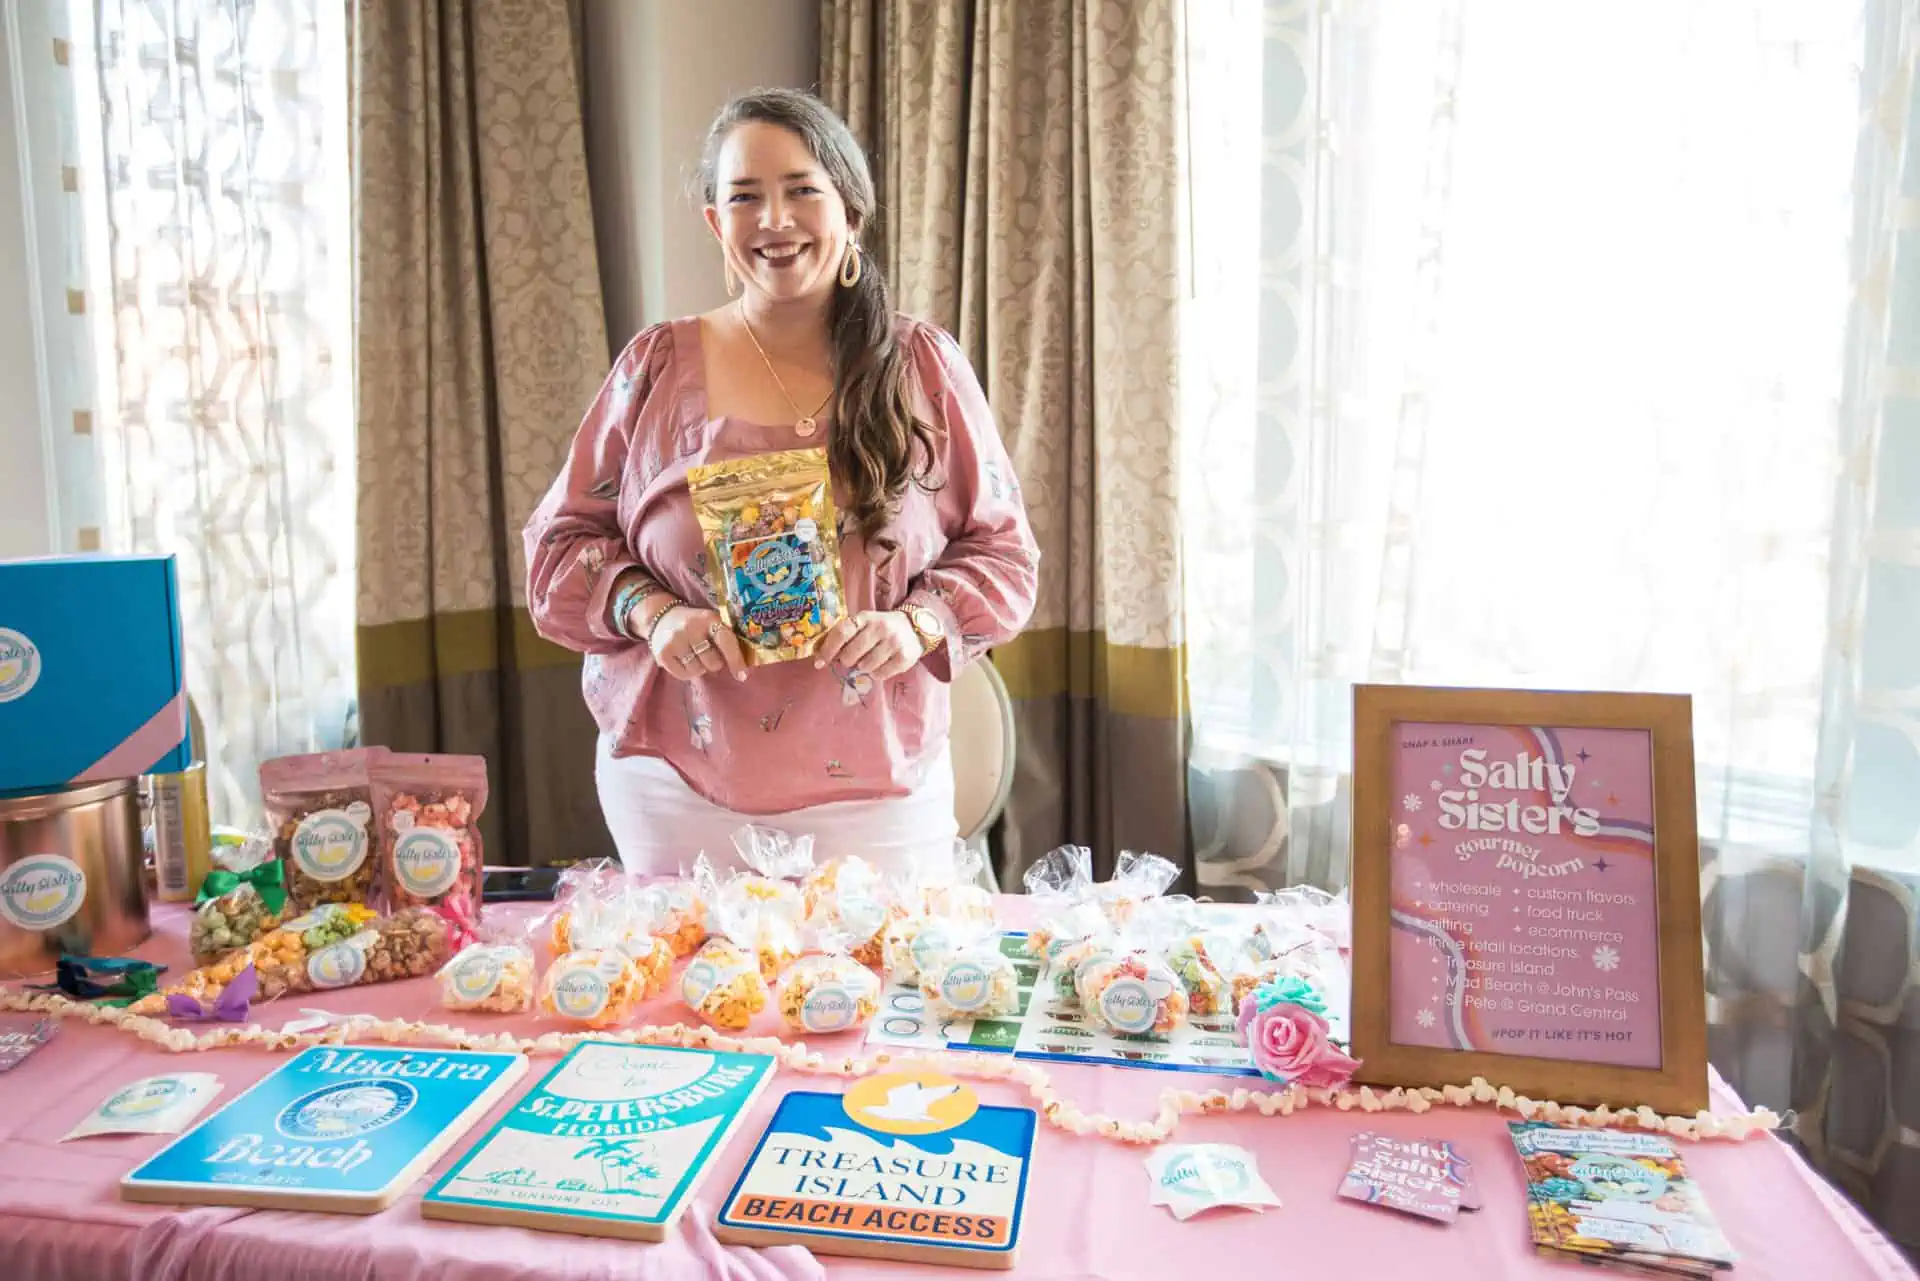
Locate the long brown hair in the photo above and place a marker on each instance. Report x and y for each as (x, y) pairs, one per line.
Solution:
(875, 438)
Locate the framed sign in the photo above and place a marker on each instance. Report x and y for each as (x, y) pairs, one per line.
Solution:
(1526, 894)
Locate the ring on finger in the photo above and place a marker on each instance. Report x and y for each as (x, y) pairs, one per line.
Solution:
(684, 659)
(702, 647)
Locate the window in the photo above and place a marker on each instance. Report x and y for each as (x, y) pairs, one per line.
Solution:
(212, 140)
(1516, 346)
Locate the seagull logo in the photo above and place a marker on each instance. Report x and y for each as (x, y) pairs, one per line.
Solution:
(911, 1102)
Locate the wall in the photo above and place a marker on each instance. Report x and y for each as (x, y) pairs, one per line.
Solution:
(657, 71)
(25, 522)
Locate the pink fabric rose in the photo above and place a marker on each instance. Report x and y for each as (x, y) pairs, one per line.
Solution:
(1289, 1043)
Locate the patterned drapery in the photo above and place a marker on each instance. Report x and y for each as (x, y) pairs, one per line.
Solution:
(1028, 156)
(481, 339)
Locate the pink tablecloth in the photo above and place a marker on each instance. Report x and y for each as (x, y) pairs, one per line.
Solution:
(1087, 1215)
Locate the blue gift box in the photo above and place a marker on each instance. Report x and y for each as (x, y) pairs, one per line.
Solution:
(92, 671)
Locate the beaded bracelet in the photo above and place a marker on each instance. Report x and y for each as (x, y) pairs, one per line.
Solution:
(653, 623)
(624, 601)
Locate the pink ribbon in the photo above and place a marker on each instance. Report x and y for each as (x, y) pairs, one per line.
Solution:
(462, 925)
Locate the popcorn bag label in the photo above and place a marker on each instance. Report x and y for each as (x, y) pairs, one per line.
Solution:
(965, 986)
(933, 942)
(698, 982)
(829, 1007)
(426, 862)
(476, 975)
(330, 845)
(1129, 1006)
(860, 916)
(42, 892)
(341, 964)
(582, 992)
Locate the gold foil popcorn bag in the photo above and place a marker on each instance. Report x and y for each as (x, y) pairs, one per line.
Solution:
(773, 549)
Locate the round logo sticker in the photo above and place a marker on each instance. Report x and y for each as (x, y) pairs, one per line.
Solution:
(965, 986)
(19, 665)
(914, 1102)
(773, 565)
(700, 979)
(1615, 1178)
(476, 975)
(861, 916)
(346, 1110)
(426, 862)
(1128, 1006)
(829, 1007)
(1208, 1173)
(930, 945)
(42, 892)
(144, 1098)
(581, 993)
(337, 964)
(330, 845)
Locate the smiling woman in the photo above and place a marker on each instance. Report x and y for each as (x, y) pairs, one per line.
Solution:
(807, 370)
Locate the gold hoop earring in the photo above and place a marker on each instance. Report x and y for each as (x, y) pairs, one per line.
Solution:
(850, 267)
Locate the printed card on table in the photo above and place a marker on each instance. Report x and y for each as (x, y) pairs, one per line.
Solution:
(342, 1128)
(613, 1142)
(1524, 917)
(906, 1165)
(1526, 894)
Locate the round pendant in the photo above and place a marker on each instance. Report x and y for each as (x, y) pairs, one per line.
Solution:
(805, 426)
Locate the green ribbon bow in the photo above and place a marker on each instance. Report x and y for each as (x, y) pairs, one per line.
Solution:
(268, 881)
(90, 978)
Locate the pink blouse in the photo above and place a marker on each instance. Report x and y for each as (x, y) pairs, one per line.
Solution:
(789, 736)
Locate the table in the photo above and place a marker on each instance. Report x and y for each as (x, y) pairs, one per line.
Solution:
(1087, 1213)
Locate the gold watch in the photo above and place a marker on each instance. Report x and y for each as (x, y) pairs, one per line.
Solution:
(927, 626)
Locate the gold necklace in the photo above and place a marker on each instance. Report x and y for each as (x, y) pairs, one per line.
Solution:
(805, 423)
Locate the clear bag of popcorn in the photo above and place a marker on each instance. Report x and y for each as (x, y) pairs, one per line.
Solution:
(1060, 884)
(825, 990)
(582, 890)
(1132, 990)
(494, 977)
(593, 987)
(975, 980)
(847, 895)
(1137, 879)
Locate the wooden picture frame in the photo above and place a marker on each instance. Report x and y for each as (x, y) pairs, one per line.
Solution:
(1505, 924)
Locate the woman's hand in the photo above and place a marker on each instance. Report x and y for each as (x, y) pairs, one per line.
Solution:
(881, 644)
(689, 642)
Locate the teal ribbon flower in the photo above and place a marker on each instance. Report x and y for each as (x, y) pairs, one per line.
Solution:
(1288, 990)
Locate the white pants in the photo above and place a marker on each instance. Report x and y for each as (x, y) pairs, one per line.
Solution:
(659, 823)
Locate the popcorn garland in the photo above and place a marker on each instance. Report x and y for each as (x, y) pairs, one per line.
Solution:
(1174, 1103)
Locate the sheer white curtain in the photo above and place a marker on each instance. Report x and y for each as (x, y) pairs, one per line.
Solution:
(1552, 347)
(212, 167)
(1516, 347)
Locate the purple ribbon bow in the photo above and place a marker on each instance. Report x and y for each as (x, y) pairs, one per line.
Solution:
(229, 1007)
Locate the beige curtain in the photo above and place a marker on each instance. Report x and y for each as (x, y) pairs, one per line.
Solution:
(1028, 158)
(481, 336)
